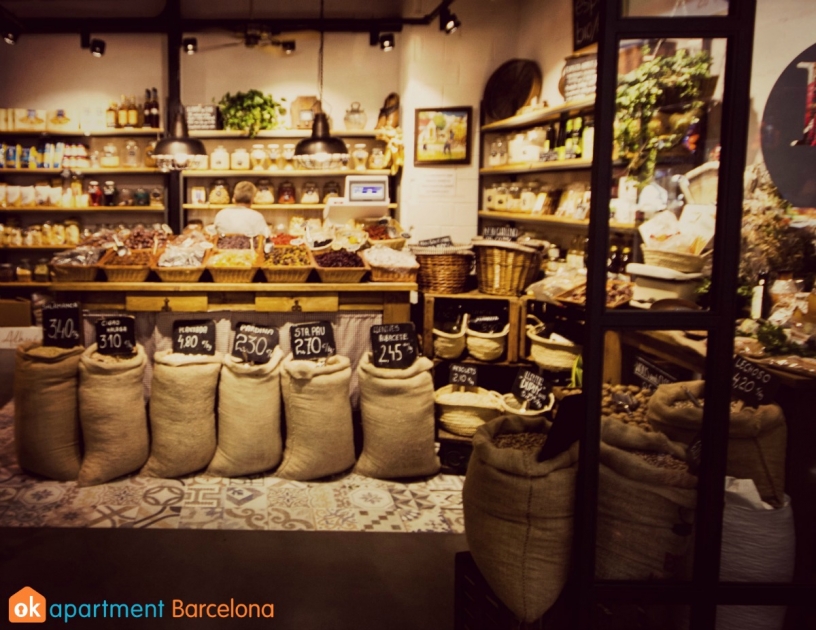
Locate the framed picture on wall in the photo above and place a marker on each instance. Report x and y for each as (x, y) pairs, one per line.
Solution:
(442, 136)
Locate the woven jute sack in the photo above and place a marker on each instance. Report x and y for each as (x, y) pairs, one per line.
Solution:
(319, 432)
(249, 417)
(518, 517)
(645, 512)
(46, 422)
(113, 415)
(397, 408)
(182, 413)
(757, 437)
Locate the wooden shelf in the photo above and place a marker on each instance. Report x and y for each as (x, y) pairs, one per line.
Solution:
(284, 173)
(24, 285)
(91, 209)
(549, 219)
(141, 170)
(22, 248)
(213, 287)
(541, 115)
(537, 167)
(266, 206)
(281, 133)
(102, 133)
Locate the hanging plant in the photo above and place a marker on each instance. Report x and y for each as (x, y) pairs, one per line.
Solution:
(251, 111)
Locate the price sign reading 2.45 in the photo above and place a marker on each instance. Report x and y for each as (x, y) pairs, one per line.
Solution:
(194, 337)
(394, 345)
(116, 335)
(753, 384)
(254, 344)
(61, 325)
(314, 340)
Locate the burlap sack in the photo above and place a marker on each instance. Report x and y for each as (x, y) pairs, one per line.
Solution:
(645, 513)
(757, 441)
(46, 422)
(113, 415)
(182, 413)
(319, 433)
(518, 517)
(397, 444)
(249, 417)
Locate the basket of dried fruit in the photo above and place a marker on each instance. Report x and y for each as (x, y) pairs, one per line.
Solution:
(387, 233)
(340, 266)
(287, 263)
(80, 264)
(233, 265)
(462, 412)
(133, 266)
(184, 259)
(618, 293)
(390, 264)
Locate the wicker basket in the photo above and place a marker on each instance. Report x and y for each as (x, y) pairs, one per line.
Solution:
(450, 345)
(181, 274)
(487, 346)
(686, 263)
(466, 419)
(503, 268)
(74, 273)
(511, 406)
(443, 269)
(286, 273)
(405, 274)
(127, 273)
(227, 275)
(342, 275)
(393, 243)
(548, 354)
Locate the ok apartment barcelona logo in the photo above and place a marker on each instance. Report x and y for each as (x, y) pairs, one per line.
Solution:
(27, 606)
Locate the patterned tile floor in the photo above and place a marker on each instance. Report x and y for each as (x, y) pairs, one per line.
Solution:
(346, 503)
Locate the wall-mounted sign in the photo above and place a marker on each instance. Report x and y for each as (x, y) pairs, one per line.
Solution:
(586, 23)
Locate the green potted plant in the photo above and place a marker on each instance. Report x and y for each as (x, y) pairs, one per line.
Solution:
(251, 111)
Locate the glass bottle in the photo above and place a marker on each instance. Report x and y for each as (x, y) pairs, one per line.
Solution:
(588, 138)
(147, 114)
(122, 113)
(514, 197)
(265, 194)
(109, 194)
(95, 197)
(498, 152)
(110, 116)
(133, 113)
(501, 197)
(132, 155)
(155, 116)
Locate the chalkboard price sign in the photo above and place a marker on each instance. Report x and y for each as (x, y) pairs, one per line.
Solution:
(500, 233)
(116, 335)
(467, 375)
(202, 117)
(441, 241)
(194, 337)
(394, 345)
(753, 384)
(312, 341)
(62, 325)
(531, 387)
(254, 344)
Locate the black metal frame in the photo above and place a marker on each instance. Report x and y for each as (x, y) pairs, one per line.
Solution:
(704, 592)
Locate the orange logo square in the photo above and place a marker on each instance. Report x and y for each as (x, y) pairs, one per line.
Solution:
(27, 606)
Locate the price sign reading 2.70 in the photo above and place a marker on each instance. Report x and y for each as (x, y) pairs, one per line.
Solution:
(255, 344)
(394, 345)
(116, 335)
(194, 337)
(311, 341)
(61, 325)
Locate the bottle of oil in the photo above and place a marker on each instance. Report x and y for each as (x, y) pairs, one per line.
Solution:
(132, 113)
(111, 116)
(122, 113)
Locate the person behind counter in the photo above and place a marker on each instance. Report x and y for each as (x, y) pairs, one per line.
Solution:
(240, 218)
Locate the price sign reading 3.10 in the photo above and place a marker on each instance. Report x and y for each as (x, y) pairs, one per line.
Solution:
(116, 335)
(312, 341)
(61, 325)
(194, 337)
(255, 344)
(394, 345)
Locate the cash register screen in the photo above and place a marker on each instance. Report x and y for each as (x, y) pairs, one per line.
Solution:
(367, 191)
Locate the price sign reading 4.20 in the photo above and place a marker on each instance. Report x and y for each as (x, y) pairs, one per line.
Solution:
(394, 345)
(62, 325)
(116, 335)
(753, 384)
(531, 387)
(194, 337)
(254, 344)
(463, 375)
(312, 341)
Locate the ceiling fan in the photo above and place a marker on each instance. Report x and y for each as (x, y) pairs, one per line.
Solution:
(258, 36)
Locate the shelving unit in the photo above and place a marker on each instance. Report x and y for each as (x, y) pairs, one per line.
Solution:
(283, 173)
(549, 219)
(60, 209)
(294, 207)
(136, 170)
(100, 133)
(537, 167)
(281, 133)
(528, 119)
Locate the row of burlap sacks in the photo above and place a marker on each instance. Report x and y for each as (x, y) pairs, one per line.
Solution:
(79, 415)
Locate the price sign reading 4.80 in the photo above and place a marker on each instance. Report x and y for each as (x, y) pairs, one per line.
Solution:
(463, 375)
(254, 344)
(312, 341)
(194, 337)
(61, 325)
(116, 335)
(753, 384)
(394, 345)
(533, 388)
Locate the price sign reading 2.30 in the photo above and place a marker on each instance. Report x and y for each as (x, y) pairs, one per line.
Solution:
(312, 341)
(394, 345)
(61, 325)
(752, 384)
(194, 337)
(116, 335)
(254, 344)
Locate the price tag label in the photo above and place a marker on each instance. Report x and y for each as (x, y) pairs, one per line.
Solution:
(440, 241)
(753, 384)
(62, 325)
(254, 344)
(467, 375)
(495, 233)
(394, 345)
(194, 337)
(116, 335)
(533, 388)
(312, 341)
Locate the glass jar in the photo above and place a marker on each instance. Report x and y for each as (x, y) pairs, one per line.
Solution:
(6, 272)
(330, 189)
(149, 159)
(95, 196)
(498, 152)
(377, 159)
(259, 159)
(274, 152)
(529, 192)
(157, 196)
(109, 194)
(355, 117)
(125, 196)
(500, 203)
(219, 194)
(132, 154)
(310, 193)
(288, 154)
(239, 160)
(515, 149)
(265, 192)
(359, 157)
(72, 232)
(58, 234)
(489, 196)
(41, 273)
(23, 270)
(220, 159)
(514, 197)
(286, 192)
(141, 197)
(110, 156)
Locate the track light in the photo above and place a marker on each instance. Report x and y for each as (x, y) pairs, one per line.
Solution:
(288, 47)
(448, 21)
(10, 34)
(252, 39)
(387, 41)
(97, 47)
(189, 45)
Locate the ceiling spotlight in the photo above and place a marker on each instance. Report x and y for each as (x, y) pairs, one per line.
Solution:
(10, 35)
(251, 39)
(97, 47)
(387, 41)
(448, 21)
(288, 47)
(189, 45)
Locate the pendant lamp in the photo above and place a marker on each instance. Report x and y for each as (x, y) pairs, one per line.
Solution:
(177, 151)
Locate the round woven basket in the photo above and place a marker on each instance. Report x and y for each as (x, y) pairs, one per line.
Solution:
(443, 269)
(504, 268)
(487, 346)
(450, 345)
(465, 420)
(547, 354)
(511, 406)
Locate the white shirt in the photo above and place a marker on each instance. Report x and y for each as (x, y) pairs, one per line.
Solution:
(241, 220)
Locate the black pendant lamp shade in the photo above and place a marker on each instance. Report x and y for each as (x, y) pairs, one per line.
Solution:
(321, 140)
(176, 151)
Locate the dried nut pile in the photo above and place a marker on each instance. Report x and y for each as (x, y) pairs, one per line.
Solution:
(281, 239)
(340, 258)
(110, 358)
(377, 232)
(243, 258)
(46, 352)
(520, 441)
(288, 256)
(636, 415)
(143, 238)
(662, 460)
(131, 259)
(234, 241)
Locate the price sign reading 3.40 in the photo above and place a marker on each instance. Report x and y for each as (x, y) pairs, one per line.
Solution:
(312, 341)
(61, 325)
(467, 375)
(254, 344)
(194, 337)
(531, 387)
(394, 345)
(116, 335)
